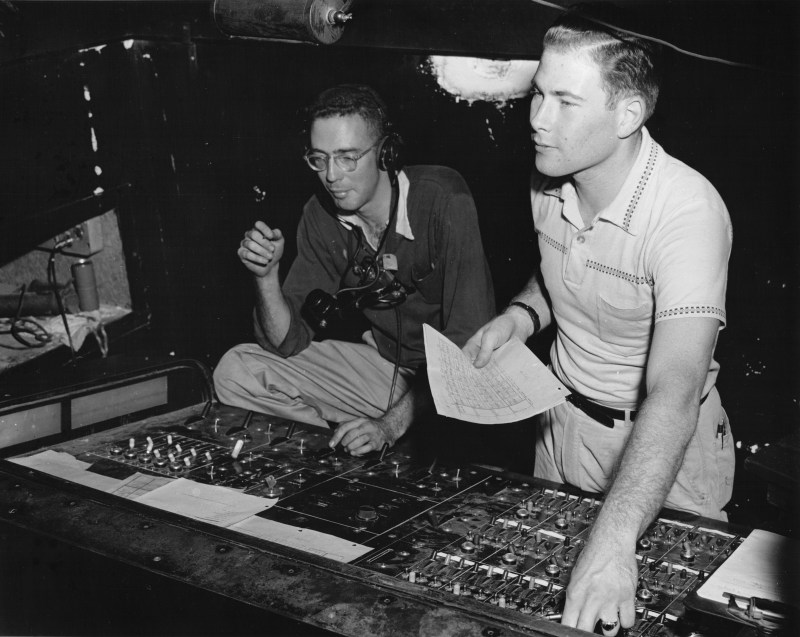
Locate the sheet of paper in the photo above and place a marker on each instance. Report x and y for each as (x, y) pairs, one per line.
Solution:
(66, 466)
(330, 546)
(764, 565)
(514, 385)
(206, 502)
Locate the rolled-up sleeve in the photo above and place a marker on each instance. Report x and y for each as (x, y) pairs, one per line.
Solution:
(315, 267)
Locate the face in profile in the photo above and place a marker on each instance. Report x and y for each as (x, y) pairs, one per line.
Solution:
(348, 135)
(574, 130)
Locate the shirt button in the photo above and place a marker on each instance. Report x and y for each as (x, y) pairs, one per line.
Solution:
(580, 238)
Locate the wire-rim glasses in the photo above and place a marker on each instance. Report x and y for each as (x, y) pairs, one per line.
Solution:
(348, 162)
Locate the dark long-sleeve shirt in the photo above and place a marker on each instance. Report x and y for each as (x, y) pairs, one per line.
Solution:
(444, 263)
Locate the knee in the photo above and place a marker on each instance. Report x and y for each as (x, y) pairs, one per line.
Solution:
(229, 367)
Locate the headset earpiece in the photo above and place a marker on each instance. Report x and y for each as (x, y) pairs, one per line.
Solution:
(390, 149)
(389, 152)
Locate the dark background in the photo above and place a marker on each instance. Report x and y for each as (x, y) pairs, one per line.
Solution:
(199, 134)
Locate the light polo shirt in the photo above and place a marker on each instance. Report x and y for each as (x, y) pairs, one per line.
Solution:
(401, 226)
(659, 251)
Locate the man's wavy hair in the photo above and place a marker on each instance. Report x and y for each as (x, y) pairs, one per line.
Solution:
(629, 64)
(350, 99)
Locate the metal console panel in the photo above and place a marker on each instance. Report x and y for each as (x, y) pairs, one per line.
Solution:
(443, 550)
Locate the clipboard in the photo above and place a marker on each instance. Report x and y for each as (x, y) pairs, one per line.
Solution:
(756, 585)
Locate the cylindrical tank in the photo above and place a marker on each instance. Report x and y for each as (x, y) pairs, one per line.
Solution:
(318, 21)
(85, 285)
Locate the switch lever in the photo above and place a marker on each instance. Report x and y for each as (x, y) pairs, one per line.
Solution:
(199, 418)
(245, 424)
(377, 461)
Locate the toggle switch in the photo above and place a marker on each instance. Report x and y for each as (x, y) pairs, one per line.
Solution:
(237, 448)
(687, 552)
(131, 452)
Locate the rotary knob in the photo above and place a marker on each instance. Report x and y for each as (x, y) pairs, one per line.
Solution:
(367, 513)
(645, 594)
(552, 568)
(509, 558)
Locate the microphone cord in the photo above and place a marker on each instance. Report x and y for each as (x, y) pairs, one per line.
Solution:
(397, 350)
(396, 356)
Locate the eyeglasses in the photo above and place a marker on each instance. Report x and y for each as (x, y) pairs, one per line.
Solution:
(348, 162)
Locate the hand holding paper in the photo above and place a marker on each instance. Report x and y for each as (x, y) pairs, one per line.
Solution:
(514, 385)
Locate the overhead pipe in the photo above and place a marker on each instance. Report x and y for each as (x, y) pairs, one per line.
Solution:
(315, 21)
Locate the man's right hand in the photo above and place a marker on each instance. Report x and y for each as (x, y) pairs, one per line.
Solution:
(261, 249)
(497, 332)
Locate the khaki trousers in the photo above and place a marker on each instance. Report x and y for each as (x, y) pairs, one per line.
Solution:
(573, 448)
(329, 381)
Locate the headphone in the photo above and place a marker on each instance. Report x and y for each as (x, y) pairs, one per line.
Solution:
(390, 153)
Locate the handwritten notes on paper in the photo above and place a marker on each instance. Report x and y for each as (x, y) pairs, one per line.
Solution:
(514, 385)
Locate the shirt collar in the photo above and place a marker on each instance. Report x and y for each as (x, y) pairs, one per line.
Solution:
(401, 225)
(622, 210)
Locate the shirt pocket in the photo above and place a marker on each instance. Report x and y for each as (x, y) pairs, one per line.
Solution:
(627, 327)
(428, 282)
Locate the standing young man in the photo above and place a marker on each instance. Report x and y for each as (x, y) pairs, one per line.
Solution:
(399, 245)
(634, 248)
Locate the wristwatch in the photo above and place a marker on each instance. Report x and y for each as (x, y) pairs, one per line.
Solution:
(537, 324)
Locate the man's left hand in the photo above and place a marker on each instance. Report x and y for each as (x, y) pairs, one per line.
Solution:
(602, 589)
(361, 436)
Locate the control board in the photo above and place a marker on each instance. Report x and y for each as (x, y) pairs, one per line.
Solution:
(467, 536)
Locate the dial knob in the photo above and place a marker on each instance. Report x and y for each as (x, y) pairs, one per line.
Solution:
(367, 513)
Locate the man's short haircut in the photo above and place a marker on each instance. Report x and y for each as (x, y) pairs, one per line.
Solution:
(629, 64)
(350, 99)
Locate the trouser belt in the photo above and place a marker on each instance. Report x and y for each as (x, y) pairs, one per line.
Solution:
(604, 415)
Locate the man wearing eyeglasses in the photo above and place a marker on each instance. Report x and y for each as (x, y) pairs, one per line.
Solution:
(400, 245)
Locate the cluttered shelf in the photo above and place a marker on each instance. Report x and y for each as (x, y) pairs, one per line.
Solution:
(65, 293)
(27, 338)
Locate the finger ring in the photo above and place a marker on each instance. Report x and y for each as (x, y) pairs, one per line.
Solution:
(608, 625)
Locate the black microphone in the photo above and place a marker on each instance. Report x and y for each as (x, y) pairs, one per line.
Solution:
(320, 307)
